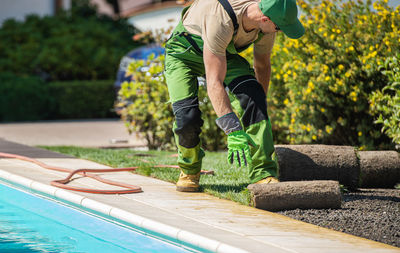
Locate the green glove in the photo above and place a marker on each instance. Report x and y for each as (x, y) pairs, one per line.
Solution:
(238, 148)
(238, 140)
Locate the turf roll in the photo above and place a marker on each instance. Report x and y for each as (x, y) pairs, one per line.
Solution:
(318, 162)
(379, 169)
(319, 194)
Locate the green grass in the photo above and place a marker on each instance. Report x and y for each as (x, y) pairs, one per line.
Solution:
(228, 182)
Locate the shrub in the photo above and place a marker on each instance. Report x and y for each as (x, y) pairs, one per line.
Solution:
(30, 98)
(321, 83)
(73, 45)
(386, 102)
(82, 99)
(144, 106)
(23, 98)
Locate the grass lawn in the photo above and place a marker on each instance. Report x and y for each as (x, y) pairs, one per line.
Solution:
(228, 182)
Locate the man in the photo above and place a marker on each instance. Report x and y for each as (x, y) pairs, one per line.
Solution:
(207, 42)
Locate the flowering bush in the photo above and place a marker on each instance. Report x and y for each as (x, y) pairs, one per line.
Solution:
(321, 83)
(386, 102)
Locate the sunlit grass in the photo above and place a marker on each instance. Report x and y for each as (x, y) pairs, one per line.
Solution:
(228, 182)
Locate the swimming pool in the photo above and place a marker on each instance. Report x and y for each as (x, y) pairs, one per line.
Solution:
(29, 223)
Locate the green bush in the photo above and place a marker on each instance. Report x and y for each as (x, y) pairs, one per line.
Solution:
(144, 106)
(385, 103)
(321, 83)
(23, 98)
(73, 45)
(30, 99)
(82, 99)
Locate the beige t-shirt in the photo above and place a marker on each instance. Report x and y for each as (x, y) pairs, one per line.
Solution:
(208, 19)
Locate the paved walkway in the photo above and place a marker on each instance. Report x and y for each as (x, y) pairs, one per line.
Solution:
(110, 133)
(219, 224)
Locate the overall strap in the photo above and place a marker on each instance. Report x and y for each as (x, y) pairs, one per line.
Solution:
(228, 8)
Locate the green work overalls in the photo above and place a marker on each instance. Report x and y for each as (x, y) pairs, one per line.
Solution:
(183, 64)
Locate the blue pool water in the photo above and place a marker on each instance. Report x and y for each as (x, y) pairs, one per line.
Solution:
(29, 223)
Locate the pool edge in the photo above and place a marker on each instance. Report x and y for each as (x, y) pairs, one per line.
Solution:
(189, 239)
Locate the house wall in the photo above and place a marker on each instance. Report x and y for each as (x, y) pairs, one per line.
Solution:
(19, 9)
(124, 5)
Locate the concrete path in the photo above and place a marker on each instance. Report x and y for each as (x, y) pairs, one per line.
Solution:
(219, 225)
(110, 133)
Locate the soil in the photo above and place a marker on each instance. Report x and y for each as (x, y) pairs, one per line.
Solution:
(369, 213)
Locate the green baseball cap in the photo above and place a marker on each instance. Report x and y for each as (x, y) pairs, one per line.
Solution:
(284, 14)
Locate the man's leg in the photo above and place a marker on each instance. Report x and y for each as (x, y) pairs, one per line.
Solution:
(181, 77)
(249, 101)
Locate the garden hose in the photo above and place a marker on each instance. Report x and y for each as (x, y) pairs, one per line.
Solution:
(89, 173)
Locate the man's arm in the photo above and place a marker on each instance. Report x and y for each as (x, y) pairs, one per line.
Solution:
(262, 67)
(215, 66)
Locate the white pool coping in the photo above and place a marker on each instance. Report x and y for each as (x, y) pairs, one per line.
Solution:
(119, 214)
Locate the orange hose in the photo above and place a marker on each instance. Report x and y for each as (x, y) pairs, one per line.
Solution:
(87, 173)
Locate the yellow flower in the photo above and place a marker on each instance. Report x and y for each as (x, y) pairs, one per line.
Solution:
(332, 37)
(360, 133)
(293, 120)
(320, 29)
(353, 96)
(286, 101)
(322, 109)
(341, 67)
(327, 78)
(311, 85)
(347, 74)
(371, 48)
(328, 129)
(338, 31)
(314, 137)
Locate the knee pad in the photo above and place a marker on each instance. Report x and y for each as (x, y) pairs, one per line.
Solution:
(188, 121)
(252, 99)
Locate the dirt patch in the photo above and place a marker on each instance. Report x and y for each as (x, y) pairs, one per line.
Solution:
(367, 213)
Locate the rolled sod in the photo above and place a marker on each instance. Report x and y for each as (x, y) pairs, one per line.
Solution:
(318, 162)
(319, 194)
(379, 169)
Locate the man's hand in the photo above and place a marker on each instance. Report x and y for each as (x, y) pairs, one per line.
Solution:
(238, 140)
(238, 148)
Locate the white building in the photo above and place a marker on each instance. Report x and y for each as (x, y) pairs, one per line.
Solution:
(18, 9)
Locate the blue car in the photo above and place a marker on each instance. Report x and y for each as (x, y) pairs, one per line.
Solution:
(140, 53)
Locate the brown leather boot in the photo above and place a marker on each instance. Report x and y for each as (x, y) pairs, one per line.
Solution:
(268, 180)
(188, 183)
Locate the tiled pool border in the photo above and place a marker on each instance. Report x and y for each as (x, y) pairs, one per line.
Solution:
(156, 229)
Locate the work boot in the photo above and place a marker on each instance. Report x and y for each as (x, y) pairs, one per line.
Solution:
(188, 183)
(268, 180)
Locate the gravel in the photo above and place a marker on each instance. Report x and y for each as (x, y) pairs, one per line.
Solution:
(369, 213)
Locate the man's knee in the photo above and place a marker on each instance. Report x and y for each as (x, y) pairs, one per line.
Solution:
(188, 121)
(252, 99)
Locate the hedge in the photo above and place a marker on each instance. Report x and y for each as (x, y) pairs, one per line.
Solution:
(75, 45)
(30, 98)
